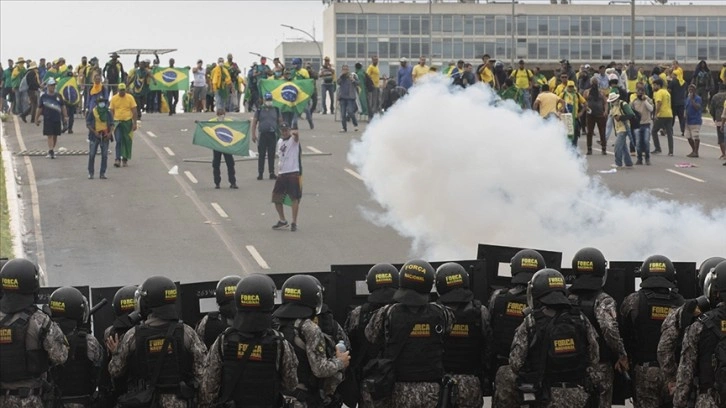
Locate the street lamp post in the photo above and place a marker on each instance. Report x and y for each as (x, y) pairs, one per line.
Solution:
(632, 31)
(514, 27)
(317, 44)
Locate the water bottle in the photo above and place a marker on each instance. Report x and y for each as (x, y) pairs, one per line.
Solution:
(341, 347)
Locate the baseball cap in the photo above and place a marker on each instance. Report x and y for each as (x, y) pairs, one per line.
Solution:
(121, 86)
(570, 83)
(404, 59)
(51, 81)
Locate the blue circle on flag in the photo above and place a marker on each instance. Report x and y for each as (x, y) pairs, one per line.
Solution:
(70, 95)
(224, 135)
(169, 76)
(289, 93)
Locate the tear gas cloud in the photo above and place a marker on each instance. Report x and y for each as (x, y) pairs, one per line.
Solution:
(451, 170)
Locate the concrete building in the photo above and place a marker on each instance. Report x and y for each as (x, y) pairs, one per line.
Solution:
(307, 50)
(544, 33)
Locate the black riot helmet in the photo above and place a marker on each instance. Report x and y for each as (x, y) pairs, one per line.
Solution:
(158, 294)
(714, 287)
(657, 271)
(452, 283)
(20, 282)
(69, 303)
(524, 264)
(124, 301)
(415, 280)
(224, 295)
(705, 269)
(302, 298)
(382, 281)
(547, 287)
(254, 299)
(590, 269)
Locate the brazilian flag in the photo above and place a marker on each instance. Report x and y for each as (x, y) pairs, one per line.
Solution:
(226, 137)
(170, 79)
(289, 96)
(68, 90)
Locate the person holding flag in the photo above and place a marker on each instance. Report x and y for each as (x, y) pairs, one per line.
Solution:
(99, 122)
(71, 95)
(123, 109)
(221, 85)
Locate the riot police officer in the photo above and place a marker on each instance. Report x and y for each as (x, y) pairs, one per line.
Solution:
(125, 317)
(30, 342)
(675, 325)
(704, 349)
(302, 300)
(214, 323)
(554, 352)
(382, 282)
(507, 313)
(75, 380)
(250, 364)
(590, 269)
(643, 313)
(412, 333)
(162, 353)
(467, 349)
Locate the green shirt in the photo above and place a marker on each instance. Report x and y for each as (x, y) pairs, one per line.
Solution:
(7, 78)
(512, 93)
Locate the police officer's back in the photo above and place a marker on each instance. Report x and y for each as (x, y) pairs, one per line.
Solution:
(417, 329)
(214, 323)
(302, 299)
(141, 350)
(467, 349)
(30, 342)
(590, 269)
(703, 359)
(382, 282)
(75, 380)
(675, 325)
(554, 352)
(642, 314)
(250, 364)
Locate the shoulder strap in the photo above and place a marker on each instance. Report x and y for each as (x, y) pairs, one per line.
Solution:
(164, 349)
(240, 369)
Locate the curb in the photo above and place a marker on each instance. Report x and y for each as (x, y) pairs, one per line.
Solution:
(12, 196)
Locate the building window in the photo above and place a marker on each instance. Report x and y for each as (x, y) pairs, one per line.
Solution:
(478, 26)
(574, 26)
(722, 30)
(681, 26)
(691, 49)
(712, 27)
(649, 49)
(702, 49)
(416, 25)
(394, 25)
(618, 27)
(351, 49)
(607, 26)
(585, 25)
(393, 48)
(447, 24)
(425, 24)
(500, 23)
(554, 25)
(372, 47)
(456, 21)
(607, 50)
(458, 48)
(437, 49)
(500, 49)
(340, 24)
(468, 25)
(670, 26)
(542, 49)
(405, 24)
(639, 50)
(649, 28)
(383, 25)
(362, 26)
(531, 24)
(448, 49)
(437, 24)
(416, 47)
(574, 49)
(564, 26)
(543, 26)
(521, 25)
(618, 49)
(691, 26)
(627, 26)
(340, 47)
(596, 26)
(595, 49)
(351, 26)
(722, 47)
(372, 24)
(660, 49)
(479, 49)
(553, 49)
(489, 25)
(670, 50)
(660, 26)
(532, 49)
(564, 52)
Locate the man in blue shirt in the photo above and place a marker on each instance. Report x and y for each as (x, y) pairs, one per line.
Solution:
(694, 107)
(404, 77)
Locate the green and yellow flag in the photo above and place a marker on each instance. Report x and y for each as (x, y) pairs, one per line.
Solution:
(170, 79)
(289, 96)
(226, 137)
(68, 90)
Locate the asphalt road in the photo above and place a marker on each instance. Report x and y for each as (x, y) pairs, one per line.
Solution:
(143, 221)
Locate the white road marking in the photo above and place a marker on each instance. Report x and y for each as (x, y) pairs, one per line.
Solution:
(256, 255)
(314, 150)
(685, 175)
(169, 151)
(150, 133)
(219, 210)
(353, 173)
(191, 177)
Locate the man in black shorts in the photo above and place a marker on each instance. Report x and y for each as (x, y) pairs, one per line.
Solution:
(53, 110)
(288, 181)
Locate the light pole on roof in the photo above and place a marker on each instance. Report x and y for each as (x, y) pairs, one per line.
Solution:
(317, 44)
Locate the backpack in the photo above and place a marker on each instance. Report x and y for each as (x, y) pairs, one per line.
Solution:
(628, 113)
(368, 83)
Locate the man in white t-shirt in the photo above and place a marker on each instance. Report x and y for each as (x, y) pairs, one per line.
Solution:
(288, 181)
(199, 87)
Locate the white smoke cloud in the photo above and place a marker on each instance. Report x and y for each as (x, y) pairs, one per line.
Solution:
(451, 170)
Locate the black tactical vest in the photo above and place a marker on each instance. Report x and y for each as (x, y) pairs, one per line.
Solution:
(260, 383)
(421, 359)
(16, 362)
(177, 365)
(653, 308)
(558, 348)
(291, 329)
(216, 324)
(464, 346)
(714, 329)
(586, 302)
(76, 377)
(507, 315)
(364, 350)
